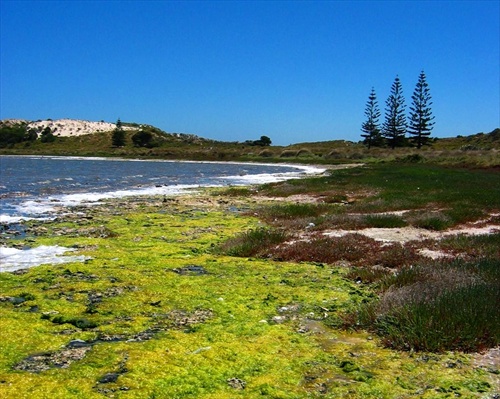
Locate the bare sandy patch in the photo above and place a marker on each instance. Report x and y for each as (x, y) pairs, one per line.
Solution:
(73, 127)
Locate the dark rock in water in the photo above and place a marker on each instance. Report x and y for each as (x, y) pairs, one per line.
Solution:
(191, 270)
(109, 377)
(20, 272)
(77, 343)
(17, 300)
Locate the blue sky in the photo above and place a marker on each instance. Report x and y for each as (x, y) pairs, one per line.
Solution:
(296, 71)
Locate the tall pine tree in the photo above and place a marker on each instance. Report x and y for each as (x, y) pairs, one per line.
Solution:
(421, 119)
(370, 128)
(394, 128)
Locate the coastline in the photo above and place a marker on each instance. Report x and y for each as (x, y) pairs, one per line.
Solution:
(154, 303)
(153, 188)
(152, 294)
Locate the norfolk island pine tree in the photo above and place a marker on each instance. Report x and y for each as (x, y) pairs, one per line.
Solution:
(370, 128)
(394, 127)
(421, 118)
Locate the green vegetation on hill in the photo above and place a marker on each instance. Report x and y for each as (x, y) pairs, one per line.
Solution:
(147, 141)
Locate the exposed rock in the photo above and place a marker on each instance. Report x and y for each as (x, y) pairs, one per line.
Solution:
(190, 270)
(109, 377)
(236, 383)
(45, 361)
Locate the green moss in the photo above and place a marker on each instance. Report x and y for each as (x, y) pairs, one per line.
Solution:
(168, 334)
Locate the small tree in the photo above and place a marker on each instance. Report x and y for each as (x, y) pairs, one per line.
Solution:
(47, 136)
(394, 128)
(264, 141)
(421, 119)
(118, 138)
(371, 126)
(143, 139)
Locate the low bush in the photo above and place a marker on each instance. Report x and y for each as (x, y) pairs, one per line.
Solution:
(291, 211)
(351, 247)
(437, 306)
(253, 242)
(384, 221)
(435, 221)
(465, 319)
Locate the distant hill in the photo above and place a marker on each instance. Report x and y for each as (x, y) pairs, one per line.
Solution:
(478, 141)
(87, 138)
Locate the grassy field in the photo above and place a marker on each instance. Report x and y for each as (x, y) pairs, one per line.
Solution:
(239, 293)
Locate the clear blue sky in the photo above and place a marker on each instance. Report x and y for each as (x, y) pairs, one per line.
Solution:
(295, 71)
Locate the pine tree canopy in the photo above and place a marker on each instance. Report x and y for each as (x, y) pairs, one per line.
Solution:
(421, 118)
(394, 128)
(370, 126)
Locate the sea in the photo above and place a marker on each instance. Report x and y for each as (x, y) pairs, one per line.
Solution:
(36, 187)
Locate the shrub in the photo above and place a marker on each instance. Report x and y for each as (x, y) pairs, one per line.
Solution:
(436, 221)
(288, 154)
(351, 247)
(266, 153)
(253, 242)
(437, 306)
(395, 256)
(465, 319)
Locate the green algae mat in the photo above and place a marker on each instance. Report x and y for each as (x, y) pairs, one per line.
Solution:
(155, 312)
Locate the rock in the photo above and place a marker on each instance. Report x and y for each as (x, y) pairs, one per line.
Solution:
(16, 300)
(191, 270)
(203, 349)
(109, 377)
(45, 361)
(77, 343)
(236, 383)
(279, 319)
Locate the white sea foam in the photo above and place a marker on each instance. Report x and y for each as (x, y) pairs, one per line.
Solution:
(12, 259)
(8, 219)
(274, 177)
(49, 205)
(46, 208)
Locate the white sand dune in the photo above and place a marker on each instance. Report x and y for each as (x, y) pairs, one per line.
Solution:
(73, 127)
(68, 127)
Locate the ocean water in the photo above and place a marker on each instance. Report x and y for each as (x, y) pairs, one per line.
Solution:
(36, 187)
(33, 187)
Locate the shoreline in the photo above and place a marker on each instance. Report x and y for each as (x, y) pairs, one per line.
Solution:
(155, 303)
(75, 199)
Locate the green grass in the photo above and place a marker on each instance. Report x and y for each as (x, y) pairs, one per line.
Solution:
(392, 187)
(293, 211)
